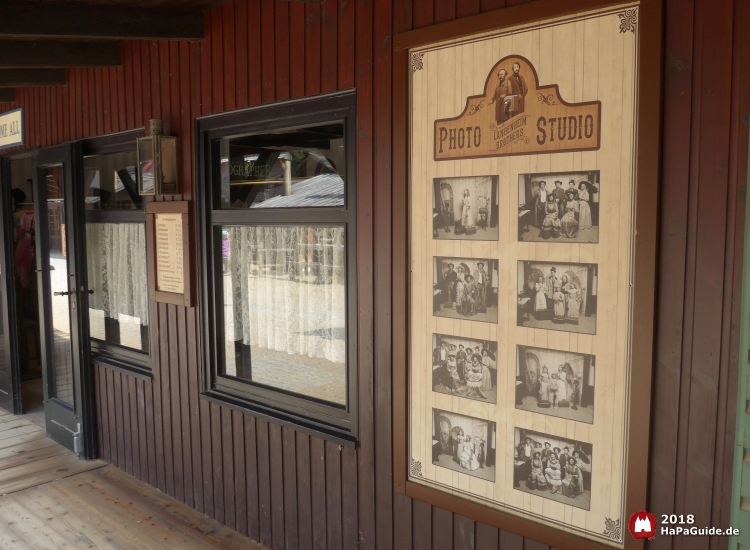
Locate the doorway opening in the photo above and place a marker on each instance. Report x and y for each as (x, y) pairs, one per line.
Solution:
(24, 285)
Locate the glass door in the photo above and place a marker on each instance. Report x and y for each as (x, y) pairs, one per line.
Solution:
(62, 297)
(10, 381)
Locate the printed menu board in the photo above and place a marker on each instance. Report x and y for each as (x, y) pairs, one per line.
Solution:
(170, 274)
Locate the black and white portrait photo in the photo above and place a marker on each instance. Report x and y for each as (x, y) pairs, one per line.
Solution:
(466, 208)
(465, 288)
(553, 467)
(557, 296)
(557, 383)
(464, 444)
(464, 367)
(559, 207)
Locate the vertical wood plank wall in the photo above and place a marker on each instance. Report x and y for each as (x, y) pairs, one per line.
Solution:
(290, 490)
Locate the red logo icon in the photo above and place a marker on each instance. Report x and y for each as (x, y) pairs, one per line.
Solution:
(642, 525)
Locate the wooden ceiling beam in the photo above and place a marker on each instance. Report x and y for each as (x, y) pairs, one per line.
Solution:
(37, 19)
(7, 95)
(56, 54)
(20, 78)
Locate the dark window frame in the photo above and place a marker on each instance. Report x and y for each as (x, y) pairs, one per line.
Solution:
(117, 357)
(333, 422)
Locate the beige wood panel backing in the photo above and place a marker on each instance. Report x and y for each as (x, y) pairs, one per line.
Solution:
(590, 59)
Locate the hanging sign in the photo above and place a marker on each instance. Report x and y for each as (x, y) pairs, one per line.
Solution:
(168, 235)
(517, 116)
(11, 129)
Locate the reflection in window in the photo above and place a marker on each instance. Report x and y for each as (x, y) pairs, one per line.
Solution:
(302, 167)
(118, 306)
(284, 291)
(111, 182)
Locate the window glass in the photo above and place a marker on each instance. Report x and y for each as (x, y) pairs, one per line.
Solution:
(118, 284)
(24, 262)
(56, 256)
(111, 182)
(284, 290)
(290, 168)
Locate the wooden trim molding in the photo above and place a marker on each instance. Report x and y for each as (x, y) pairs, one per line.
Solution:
(97, 21)
(20, 78)
(58, 54)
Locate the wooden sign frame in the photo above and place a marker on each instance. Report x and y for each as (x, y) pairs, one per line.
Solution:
(186, 298)
(644, 262)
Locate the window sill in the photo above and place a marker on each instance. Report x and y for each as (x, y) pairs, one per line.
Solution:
(136, 371)
(301, 424)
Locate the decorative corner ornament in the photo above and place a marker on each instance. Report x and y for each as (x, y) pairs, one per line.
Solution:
(476, 108)
(417, 64)
(546, 99)
(628, 20)
(613, 529)
(416, 468)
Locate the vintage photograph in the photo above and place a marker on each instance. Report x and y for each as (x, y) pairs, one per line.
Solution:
(553, 467)
(465, 288)
(466, 208)
(559, 207)
(464, 444)
(464, 367)
(557, 383)
(557, 296)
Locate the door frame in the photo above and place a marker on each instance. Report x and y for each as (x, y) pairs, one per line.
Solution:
(69, 155)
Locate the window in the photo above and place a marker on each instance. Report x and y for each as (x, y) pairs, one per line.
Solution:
(279, 268)
(116, 258)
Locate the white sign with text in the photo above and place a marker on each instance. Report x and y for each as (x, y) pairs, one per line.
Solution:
(11, 129)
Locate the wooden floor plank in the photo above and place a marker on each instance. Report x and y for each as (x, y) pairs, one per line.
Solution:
(22, 438)
(100, 512)
(27, 455)
(22, 448)
(45, 525)
(6, 420)
(156, 508)
(89, 532)
(78, 533)
(26, 428)
(11, 540)
(9, 424)
(152, 523)
(173, 512)
(59, 471)
(31, 527)
(24, 470)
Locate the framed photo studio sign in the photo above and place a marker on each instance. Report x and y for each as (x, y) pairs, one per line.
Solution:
(526, 156)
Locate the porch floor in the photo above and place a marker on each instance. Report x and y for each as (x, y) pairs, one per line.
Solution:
(50, 499)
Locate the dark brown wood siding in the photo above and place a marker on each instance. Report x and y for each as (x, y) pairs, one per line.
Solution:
(290, 490)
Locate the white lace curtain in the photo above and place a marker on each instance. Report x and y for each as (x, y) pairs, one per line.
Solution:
(288, 289)
(117, 269)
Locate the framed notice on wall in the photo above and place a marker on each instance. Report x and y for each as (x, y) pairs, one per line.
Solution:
(526, 157)
(168, 234)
